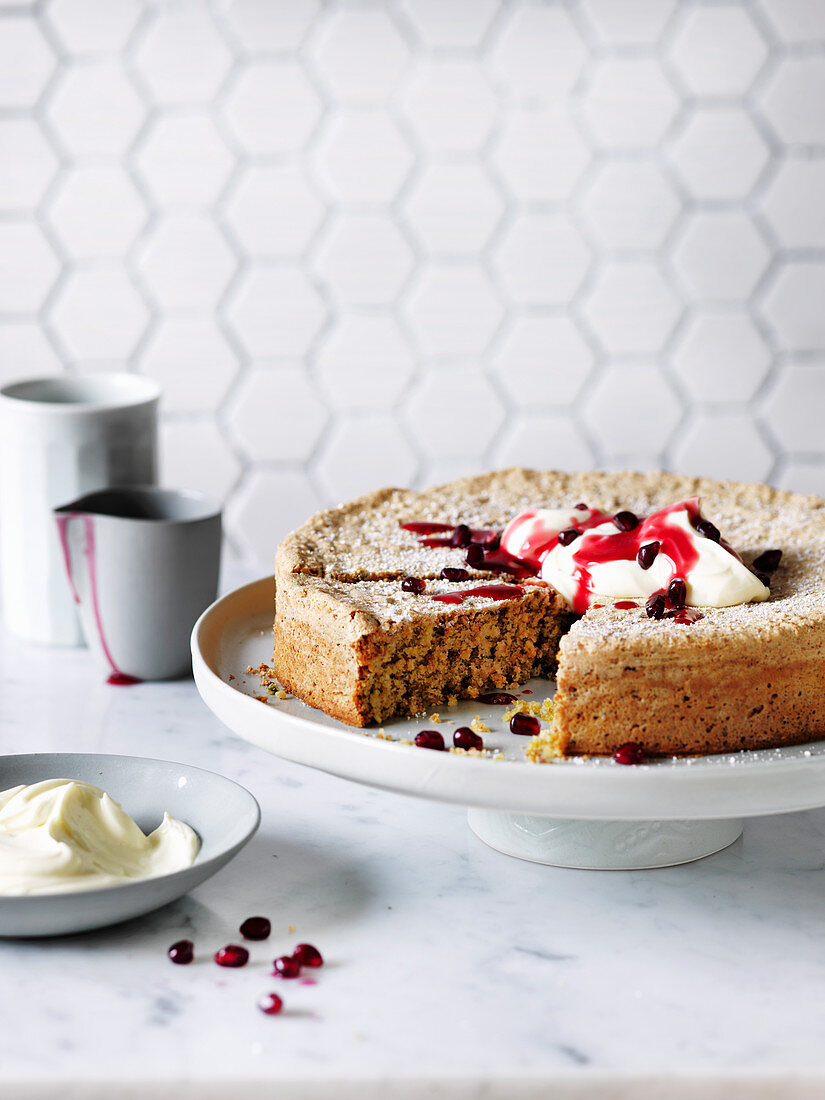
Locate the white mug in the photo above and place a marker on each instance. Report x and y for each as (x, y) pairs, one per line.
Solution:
(60, 437)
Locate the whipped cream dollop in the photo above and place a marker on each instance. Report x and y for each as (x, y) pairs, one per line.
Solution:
(62, 835)
(598, 556)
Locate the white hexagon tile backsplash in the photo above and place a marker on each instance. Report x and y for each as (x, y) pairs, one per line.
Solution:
(373, 241)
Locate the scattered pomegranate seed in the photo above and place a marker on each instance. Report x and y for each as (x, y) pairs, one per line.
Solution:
(465, 738)
(568, 535)
(626, 521)
(647, 554)
(631, 752)
(475, 556)
(255, 928)
(655, 605)
(581, 507)
(497, 698)
(677, 593)
(625, 605)
(413, 584)
(181, 952)
(232, 955)
(462, 536)
(271, 1004)
(768, 561)
(492, 540)
(525, 724)
(687, 616)
(706, 528)
(429, 739)
(450, 574)
(286, 966)
(307, 955)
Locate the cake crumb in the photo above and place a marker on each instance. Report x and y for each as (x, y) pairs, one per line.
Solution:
(292, 928)
(261, 698)
(231, 677)
(547, 745)
(477, 726)
(452, 701)
(542, 710)
(435, 717)
(281, 694)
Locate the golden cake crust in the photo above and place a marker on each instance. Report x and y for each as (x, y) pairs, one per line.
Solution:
(347, 639)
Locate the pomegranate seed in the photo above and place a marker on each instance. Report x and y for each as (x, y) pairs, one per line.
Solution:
(497, 698)
(492, 541)
(271, 1004)
(465, 738)
(475, 556)
(255, 928)
(626, 521)
(655, 605)
(429, 739)
(706, 528)
(581, 507)
(181, 952)
(568, 535)
(525, 724)
(462, 536)
(647, 554)
(631, 752)
(768, 561)
(677, 593)
(450, 574)
(286, 966)
(413, 584)
(307, 955)
(232, 955)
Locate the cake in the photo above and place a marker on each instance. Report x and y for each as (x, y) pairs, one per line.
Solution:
(379, 613)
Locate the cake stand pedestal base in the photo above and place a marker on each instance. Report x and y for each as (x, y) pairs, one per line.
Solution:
(602, 845)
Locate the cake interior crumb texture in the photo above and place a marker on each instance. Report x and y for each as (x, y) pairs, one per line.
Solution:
(349, 640)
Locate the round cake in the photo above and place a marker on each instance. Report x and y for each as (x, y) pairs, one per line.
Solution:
(403, 601)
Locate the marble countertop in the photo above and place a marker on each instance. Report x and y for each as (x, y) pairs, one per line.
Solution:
(452, 970)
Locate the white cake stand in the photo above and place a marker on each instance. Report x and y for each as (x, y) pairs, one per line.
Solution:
(573, 813)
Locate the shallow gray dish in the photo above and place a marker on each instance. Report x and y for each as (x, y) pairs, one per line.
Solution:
(222, 813)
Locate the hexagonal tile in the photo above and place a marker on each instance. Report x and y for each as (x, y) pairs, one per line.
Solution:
(25, 282)
(365, 362)
(186, 262)
(802, 477)
(629, 22)
(274, 210)
(630, 204)
(183, 159)
(28, 163)
(450, 24)
(542, 441)
(722, 357)
(718, 50)
(453, 208)
(266, 507)
(632, 408)
(95, 110)
(276, 312)
(630, 103)
(792, 97)
(539, 52)
(721, 256)
(97, 211)
(542, 360)
(793, 305)
(263, 27)
(93, 26)
(796, 20)
(454, 310)
(631, 307)
(359, 55)
(194, 455)
(454, 411)
(25, 352)
(183, 58)
(720, 154)
(723, 445)
(794, 203)
(542, 258)
(26, 62)
(363, 259)
(540, 154)
(450, 105)
(362, 157)
(348, 468)
(98, 314)
(272, 107)
(263, 396)
(793, 409)
(192, 360)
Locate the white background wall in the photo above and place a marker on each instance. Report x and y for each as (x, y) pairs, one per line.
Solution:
(366, 243)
